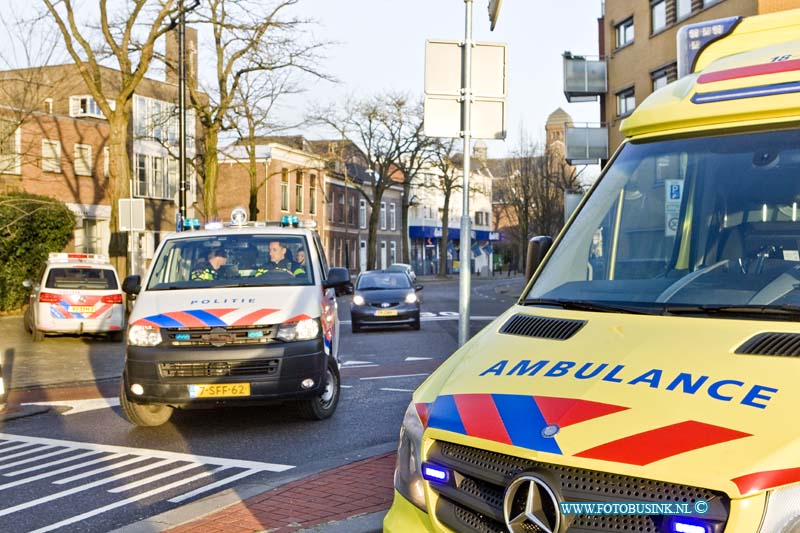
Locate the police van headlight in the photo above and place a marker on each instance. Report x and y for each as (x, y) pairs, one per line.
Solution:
(408, 470)
(139, 335)
(782, 514)
(300, 330)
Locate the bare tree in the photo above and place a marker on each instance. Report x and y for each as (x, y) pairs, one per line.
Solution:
(116, 39)
(365, 123)
(532, 193)
(248, 37)
(414, 150)
(449, 181)
(252, 117)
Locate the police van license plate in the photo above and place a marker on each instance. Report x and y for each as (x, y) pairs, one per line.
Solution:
(81, 309)
(219, 390)
(386, 312)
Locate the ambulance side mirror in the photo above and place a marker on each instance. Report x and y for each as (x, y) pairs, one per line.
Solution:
(132, 285)
(537, 249)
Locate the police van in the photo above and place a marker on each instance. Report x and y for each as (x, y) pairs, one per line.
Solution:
(228, 315)
(647, 378)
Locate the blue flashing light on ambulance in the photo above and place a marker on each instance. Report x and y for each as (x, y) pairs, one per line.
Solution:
(655, 353)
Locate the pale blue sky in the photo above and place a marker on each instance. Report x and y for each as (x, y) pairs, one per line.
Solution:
(383, 48)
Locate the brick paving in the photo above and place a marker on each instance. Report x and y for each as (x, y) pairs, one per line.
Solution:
(355, 489)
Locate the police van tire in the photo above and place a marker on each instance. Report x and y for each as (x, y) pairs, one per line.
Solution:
(143, 415)
(322, 406)
(36, 335)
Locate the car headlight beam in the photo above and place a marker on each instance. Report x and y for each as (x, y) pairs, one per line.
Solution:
(358, 300)
(300, 330)
(408, 470)
(411, 298)
(144, 335)
(782, 514)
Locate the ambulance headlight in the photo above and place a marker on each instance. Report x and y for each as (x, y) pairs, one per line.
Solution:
(782, 514)
(408, 470)
(144, 335)
(300, 330)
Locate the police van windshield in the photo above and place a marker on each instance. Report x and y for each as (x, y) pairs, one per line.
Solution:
(694, 225)
(244, 260)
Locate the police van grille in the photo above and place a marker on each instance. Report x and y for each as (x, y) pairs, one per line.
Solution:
(474, 501)
(542, 327)
(784, 344)
(207, 336)
(255, 367)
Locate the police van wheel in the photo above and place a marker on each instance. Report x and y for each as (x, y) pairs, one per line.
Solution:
(143, 415)
(36, 335)
(322, 406)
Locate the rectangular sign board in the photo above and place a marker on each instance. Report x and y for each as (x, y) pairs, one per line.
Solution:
(131, 214)
(443, 117)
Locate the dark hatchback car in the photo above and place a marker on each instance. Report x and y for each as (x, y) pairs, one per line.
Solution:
(383, 298)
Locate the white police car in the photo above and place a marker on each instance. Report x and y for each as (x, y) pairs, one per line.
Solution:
(75, 293)
(227, 316)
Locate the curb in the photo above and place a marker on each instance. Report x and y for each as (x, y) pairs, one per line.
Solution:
(22, 411)
(231, 505)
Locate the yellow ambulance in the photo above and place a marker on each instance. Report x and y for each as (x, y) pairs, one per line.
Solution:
(648, 378)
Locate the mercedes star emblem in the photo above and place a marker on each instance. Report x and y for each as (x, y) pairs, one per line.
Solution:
(530, 504)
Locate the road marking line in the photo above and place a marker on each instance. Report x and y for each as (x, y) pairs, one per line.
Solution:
(122, 503)
(156, 477)
(55, 472)
(397, 390)
(418, 358)
(81, 406)
(15, 447)
(81, 488)
(28, 452)
(212, 486)
(51, 463)
(347, 363)
(346, 386)
(156, 454)
(114, 466)
(399, 376)
(37, 458)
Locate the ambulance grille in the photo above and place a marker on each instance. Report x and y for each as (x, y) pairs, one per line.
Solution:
(785, 344)
(255, 367)
(542, 327)
(473, 501)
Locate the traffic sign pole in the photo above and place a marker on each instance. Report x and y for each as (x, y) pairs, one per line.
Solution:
(464, 269)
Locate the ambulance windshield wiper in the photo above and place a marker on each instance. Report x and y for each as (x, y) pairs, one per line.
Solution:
(585, 305)
(787, 311)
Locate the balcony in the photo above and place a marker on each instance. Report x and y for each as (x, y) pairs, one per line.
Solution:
(587, 144)
(584, 79)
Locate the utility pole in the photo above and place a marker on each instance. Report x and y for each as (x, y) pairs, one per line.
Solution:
(182, 112)
(465, 251)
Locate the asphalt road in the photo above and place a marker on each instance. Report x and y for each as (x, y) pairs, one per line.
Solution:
(82, 467)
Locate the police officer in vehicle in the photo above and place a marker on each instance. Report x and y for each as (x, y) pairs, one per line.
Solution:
(279, 262)
(209, 270)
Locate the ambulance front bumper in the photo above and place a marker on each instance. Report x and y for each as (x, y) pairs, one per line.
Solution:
(167, 374)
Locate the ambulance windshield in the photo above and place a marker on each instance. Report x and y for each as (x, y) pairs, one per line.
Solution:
(240, 260)
(693, 223)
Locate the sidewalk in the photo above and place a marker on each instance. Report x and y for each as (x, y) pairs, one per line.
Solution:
(351, 498)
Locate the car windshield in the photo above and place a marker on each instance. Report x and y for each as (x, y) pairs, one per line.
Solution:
(241, 260)
(101, 279)
(380, 281)
(687, 224)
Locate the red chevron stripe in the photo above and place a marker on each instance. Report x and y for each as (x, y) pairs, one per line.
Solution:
(480, 417)
(63, 311)
(145, 322)
(186, 320)
(251, 318)
(424, 412)
(100, 311)
(750, 70)
(219, 312)
(567, 411)
(768, 479)
(298, 318)
(645, 448)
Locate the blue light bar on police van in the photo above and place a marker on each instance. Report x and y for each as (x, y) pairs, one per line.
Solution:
(694, 38)
(688, 525)
(191, 223)
(63, 257)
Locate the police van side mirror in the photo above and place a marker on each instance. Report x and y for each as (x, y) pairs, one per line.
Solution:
(337, 277)
(132, 285)
(537, 249)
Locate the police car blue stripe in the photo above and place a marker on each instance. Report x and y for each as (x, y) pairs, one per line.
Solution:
(444, 415)
(206, 317)
(163, 321)
(524, 422)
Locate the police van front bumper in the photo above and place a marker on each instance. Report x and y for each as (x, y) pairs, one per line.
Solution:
(273, 372)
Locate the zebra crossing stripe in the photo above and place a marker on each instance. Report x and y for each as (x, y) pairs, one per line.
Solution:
(52, 463)
(35, 458)
(156, 477)
(28, 452)
(111, 467)
(212, 486)
(56, 472)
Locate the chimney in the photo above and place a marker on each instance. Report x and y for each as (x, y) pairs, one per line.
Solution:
(171, 56)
